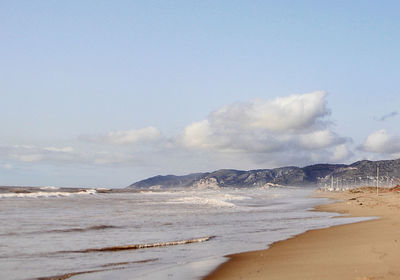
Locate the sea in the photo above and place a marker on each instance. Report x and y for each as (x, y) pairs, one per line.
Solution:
(50, 233)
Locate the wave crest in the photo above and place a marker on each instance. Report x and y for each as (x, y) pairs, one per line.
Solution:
(44, 194)
(142, 246)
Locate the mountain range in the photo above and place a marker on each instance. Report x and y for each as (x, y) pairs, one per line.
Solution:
(358, 173)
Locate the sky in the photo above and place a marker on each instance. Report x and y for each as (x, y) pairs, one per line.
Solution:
(106, 93)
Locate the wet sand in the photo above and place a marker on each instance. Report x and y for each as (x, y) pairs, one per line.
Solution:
(368, 250)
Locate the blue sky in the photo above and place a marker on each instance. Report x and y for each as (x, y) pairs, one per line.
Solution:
(103, 93)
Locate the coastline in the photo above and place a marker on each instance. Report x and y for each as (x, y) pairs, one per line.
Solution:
(362, 250)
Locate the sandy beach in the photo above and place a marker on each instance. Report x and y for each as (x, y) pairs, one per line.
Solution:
(360, 251)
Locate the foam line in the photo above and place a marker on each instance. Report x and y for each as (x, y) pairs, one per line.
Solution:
(141, 246)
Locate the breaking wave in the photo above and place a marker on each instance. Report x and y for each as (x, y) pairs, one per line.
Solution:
(203, 201)
(49, 188)
(132, 262)
(215, 200)
(44, 194)
(141, 246)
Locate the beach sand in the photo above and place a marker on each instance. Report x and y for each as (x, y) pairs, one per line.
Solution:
(359, 251)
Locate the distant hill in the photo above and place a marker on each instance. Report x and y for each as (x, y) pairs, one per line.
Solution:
(358, 173)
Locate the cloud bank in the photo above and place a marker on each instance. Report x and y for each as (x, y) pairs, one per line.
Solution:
(126, 137)
(294, 124)
(62, 155)
(260, 133)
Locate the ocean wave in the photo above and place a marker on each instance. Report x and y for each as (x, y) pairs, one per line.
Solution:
(67, 230)
(44, 194)
(202, 201)
(224, 200)
(152, 192)
(105, 267)
(142, 246)
(49, 188)
(235, 197)
(127, 263)
(98, 227)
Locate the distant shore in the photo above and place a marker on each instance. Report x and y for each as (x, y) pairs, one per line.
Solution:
(361, 251)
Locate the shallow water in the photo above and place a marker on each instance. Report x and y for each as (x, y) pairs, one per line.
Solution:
(146, 235)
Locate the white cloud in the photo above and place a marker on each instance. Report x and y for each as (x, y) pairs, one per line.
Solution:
(382, 142)
(294, 112)
(341, 153)
(198, 134)
(23, 146)
(126, 137)
(60, 149)
(134, 136)
(7, 166)
(29, 153)
(320, 139)
(112, 158)
(28, 157)
(292, 130)
(62, 155)
(261, 129)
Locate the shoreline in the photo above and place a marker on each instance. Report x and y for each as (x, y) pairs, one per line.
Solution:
(363, 250)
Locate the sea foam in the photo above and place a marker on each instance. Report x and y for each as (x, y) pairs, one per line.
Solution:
(216, 200)
(45, 194)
